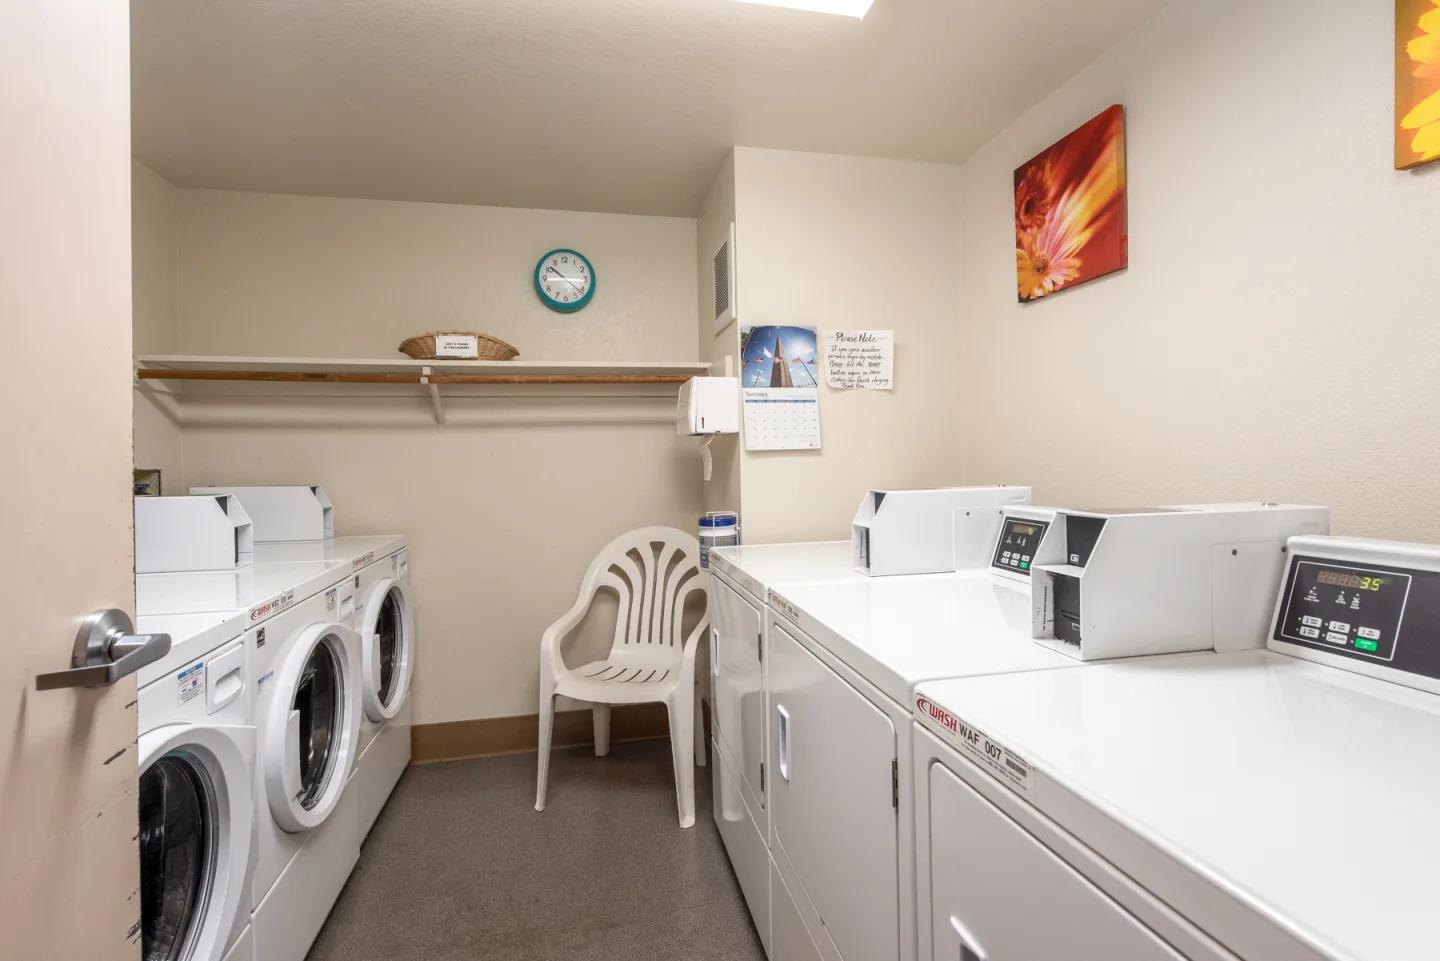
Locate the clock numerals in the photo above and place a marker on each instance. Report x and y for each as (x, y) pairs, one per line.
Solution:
(564, 280)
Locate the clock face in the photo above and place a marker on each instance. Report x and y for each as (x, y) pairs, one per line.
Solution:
(564, 280)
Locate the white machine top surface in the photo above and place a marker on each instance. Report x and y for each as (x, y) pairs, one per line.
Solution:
(1305, 792)
(246, 588)
(334, 549)
(898, 631)
(192, 636)
(762, 566)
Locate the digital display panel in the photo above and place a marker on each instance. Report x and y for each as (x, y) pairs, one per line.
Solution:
(1339, 607)
(1359, 582)
(1019, 540)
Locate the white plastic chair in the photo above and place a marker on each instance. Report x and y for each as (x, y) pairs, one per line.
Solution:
(653, 572)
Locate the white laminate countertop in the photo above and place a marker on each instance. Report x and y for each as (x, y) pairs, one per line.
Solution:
(1303, 793)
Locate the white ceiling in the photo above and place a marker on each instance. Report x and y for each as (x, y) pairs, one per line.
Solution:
(614, 105)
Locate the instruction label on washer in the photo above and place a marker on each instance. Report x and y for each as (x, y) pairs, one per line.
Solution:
(191, 681)
(1004, 764)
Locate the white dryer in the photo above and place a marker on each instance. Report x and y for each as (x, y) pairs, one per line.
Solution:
(843, 658)
(197, 776)
(385, 620)
(1268, 805)
(308, 706)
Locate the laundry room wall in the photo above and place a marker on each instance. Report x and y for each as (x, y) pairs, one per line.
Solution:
(712, 228)
(507, 505)
(154, 205)
(1275, 335)
(854, 243)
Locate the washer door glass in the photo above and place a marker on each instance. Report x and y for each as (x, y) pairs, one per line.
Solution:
(177, 850)
(388, 643)
(318, 698)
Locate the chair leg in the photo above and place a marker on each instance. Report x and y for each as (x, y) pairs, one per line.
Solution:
(547, 721)
(682, 754)
(702, 750)
(600, 714)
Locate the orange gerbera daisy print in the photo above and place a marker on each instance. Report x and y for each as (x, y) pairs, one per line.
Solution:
(1417, 82)
(1070, 209)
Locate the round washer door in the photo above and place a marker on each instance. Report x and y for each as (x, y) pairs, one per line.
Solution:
(196, 821)
(313, 727)
(387, 635)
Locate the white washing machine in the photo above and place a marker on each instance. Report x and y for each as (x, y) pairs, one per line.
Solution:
(385, 620)
(1274, 804)
(308, 705)
(197, 791)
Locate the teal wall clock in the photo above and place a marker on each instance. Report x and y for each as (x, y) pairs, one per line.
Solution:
(564, 280)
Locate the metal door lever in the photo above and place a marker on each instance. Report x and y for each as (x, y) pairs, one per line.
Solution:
(106, 649)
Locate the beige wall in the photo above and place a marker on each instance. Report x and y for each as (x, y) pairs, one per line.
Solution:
(153, 233)
(507, 505)
(712, 227)
(855, 243)
(68, 759)
(1275, 336)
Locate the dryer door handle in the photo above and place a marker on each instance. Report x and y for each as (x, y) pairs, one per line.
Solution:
(106, 649)
(782, 718)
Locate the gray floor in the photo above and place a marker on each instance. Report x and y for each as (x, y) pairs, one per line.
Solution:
(460, 867)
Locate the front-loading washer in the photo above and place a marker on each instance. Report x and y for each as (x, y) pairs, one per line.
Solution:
(385, 620)
(196, 791)
(308, 704)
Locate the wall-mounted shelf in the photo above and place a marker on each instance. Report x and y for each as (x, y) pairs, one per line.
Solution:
(429, 375)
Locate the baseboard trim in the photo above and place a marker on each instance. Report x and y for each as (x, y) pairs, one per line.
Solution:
(495, 736)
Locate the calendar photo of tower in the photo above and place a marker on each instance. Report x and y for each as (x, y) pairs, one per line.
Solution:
(780, 387)
(778, 356)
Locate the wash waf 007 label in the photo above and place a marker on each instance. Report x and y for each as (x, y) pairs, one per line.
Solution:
(273, 606)
(993, 757)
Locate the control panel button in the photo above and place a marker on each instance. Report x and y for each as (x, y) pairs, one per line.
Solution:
(1310, 620)
(1369, 633)
(1005, 556)
(1340, 626)
(1364, 645)
(1335, 638)
(1310, 632)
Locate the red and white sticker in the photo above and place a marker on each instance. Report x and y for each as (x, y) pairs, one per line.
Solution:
(362, 560)
(275, 605)
(999, 761)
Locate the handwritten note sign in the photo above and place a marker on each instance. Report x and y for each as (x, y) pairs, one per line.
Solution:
(860, 359)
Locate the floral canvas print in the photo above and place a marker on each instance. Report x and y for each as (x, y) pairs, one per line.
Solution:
(1070, 209)
(1417, 82)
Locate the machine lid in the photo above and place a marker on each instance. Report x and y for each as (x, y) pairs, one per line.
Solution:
(388, 639)
(1287, 787)
(312, 728)
(195, 824)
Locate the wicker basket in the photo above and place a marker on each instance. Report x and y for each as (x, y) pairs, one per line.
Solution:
(422, 346)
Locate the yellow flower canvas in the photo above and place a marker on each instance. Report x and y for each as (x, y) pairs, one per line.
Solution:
(1417, 82)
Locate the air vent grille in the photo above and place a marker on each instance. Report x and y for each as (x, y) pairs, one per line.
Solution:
(722, 280)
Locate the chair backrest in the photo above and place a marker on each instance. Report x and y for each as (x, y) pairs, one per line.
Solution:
(653, 572)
